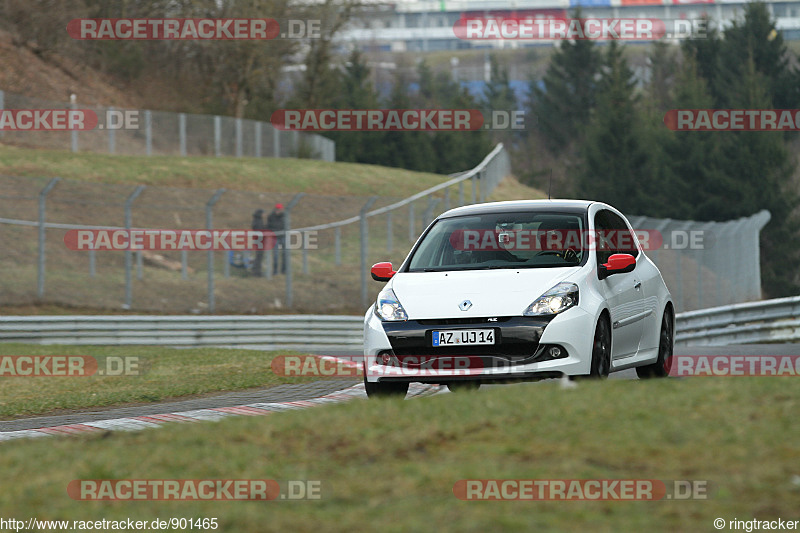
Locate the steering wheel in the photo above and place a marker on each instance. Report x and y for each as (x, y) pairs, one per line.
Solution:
(570, 255)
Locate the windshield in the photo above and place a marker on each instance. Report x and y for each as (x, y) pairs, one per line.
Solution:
(501, 240)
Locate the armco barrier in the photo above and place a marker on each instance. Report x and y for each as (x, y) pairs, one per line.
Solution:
(299, 332)
(775, 320)
(757, 322)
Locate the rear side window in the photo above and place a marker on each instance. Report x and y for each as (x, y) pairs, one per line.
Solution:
(613, 236)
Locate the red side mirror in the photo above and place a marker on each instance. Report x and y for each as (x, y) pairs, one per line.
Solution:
(382, 271)
(617, 264)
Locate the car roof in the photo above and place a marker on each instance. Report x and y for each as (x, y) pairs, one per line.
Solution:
(520, 205)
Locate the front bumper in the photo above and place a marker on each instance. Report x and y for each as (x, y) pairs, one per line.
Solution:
(520, 351)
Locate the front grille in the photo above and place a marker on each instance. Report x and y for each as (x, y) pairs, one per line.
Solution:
(464, 321)
(517, 338)
(506, 351)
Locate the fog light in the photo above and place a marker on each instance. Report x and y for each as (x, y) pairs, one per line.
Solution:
(384, 358)
(555, 352)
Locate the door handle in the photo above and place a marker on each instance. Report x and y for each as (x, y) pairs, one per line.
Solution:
(637, 285)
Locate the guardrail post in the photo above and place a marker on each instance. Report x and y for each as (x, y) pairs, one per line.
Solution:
(680, 305)
(92, 259)
(428, 217)
(268, 266)
(759, 220)
(217, 135)
(474, 188)
(287, 258)
(305, 253)
(276, 142)
(42, 212)
(364, 234)
(182, 133)
(411, 222)
(209, 226)
(148, 132)
(73, 136)
(184, 264)
(139, 266)
(257, 136)
(482, 185)
(460, 193)
(238, 137)
(112, 144)
(337, 239)
(128, 223)
(698, 258)
(389, 231)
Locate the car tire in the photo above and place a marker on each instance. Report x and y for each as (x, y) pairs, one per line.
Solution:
(601, 350)
(463, 386)
(666, 344)
(377, 389)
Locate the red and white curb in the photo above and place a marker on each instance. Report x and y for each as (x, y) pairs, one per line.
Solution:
(205, 415)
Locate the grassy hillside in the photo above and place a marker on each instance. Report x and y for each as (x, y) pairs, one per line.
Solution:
(246, 174)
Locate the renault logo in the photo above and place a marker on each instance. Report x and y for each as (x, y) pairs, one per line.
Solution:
(465, 305)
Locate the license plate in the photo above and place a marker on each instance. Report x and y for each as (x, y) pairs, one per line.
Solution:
(463, 337)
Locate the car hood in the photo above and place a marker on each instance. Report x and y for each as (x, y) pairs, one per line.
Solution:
(502, 292)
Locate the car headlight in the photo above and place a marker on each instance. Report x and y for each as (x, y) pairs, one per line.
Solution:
(388, 307)
(556, 300)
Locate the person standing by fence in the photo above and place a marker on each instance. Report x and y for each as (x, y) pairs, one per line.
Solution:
(258, 225)
(276, 223)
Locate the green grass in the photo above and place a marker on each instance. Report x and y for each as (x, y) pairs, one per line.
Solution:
(391, 465)
(249, 174)
(164, 373)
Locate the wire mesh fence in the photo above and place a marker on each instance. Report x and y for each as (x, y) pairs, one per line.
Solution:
(146, 132)
(330, 244)
(326, 262)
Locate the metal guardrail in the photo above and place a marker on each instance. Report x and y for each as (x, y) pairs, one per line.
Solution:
(756, 322)
(298, 332)
(776, 320)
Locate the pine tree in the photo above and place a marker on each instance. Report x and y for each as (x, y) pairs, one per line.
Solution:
(356, 92)
(757, 37)
(689, 177)
(615, 158)
(562, 105)
(760, 165)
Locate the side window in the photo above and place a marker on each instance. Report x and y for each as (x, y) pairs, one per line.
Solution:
(602, 228)
(624, 241)
(612, 236)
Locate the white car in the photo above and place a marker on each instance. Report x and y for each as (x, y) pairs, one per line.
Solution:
(518, 290)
